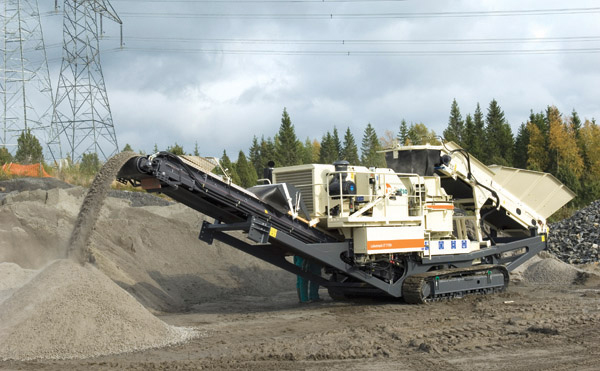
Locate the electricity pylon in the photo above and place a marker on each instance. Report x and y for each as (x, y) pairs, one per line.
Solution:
(25, 89)
(82, 112)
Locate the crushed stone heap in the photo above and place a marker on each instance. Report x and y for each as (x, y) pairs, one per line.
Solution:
(71, 311)
(575, 240)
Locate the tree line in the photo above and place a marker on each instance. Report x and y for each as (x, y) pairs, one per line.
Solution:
(550, 141)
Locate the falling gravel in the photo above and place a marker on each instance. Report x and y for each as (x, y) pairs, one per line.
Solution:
(72, 311)
(90, 209)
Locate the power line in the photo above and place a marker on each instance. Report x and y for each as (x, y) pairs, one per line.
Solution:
(406, 53)
(465, 14)
(566, 39)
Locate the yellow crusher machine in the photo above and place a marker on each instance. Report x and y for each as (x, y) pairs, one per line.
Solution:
(435, 224)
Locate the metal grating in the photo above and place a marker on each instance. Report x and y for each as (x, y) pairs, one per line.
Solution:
(301, 179)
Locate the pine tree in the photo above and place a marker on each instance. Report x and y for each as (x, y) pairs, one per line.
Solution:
(370, 147)
(287, 145)
(419, 134)
(498, 135)
(5, 156)
(328, 152)
(127, 148)
(403, 133)
(29, 149)
(350, 150)
(468, 134)
(267, 153)
(229, 168)
(337, 143)
(196, 150)
(307, 152)
(521, 147)
(255, 157)
(176, 149)
(155, 149)
(245, 171)
(455, 129)
(478, 136)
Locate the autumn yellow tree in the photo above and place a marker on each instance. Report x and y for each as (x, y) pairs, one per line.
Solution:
(537, 152)
(565, 154)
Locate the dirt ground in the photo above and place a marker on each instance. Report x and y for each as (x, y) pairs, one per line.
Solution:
(525, 328)
(248, 315)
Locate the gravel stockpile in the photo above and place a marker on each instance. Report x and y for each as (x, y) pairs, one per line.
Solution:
(72, 311)
(140, 199)
(576, 239)
(550, 271)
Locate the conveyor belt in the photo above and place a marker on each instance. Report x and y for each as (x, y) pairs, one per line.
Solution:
(211, 195)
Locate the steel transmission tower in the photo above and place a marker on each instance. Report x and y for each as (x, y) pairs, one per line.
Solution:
(82, 113)
(25, 88)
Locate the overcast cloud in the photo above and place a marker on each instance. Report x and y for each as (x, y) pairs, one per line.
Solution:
(165, 91)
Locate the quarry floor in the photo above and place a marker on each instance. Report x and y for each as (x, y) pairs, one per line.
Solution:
(528, 327)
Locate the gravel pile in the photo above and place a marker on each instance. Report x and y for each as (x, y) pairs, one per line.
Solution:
(71, 311)
(550, 271)
(575, 240)
(139, 199)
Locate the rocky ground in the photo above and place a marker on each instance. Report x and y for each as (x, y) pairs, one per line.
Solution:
(244, 313)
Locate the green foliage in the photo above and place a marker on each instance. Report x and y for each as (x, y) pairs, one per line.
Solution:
(370, 147)
(29, 149)
(196, 150)
(155, 149)
(498, 137)
(350, 150)
(245, 171)
(90, 163)
(229, 168)
(419, 134)
(176, 150)
(403, 133)
(127, 148)
(307, 152)
(328, 153)
(5, 156)
(455, 129)
(521, 145)
(287, 145)
(337, 144)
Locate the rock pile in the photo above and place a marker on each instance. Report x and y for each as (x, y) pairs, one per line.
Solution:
(575, 240)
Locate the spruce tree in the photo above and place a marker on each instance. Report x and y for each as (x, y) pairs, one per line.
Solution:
(478, 136)
(29, 149)
(196, 150)
(350, 150)
(255, 157)
(90, 163)
(328, 152)
(468, 139)
(337, 143)
(403, 133)
(307, 152)
(176, 149)
(127, 148)
(5, 156)
(267, 153)
(369, 148)
(245, 171)
(419, 134)
(229, 168)
(521, 146)
(454, 131)
(287, 145)
(498, 135)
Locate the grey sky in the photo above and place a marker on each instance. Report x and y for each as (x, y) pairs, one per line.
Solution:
(163, 90)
